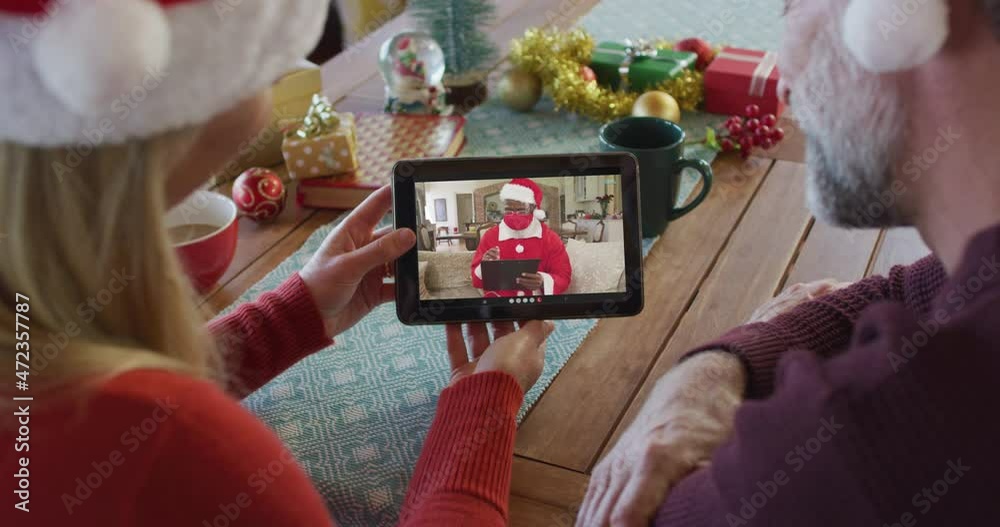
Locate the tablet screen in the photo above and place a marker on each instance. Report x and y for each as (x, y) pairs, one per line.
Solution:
(521, 240)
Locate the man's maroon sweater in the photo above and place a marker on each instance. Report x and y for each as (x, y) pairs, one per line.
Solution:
(873, 405)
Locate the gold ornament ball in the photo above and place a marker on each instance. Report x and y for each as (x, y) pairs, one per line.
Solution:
(520, 90)
(657, 104)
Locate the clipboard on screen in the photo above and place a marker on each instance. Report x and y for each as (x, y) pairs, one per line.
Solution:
(502, 275)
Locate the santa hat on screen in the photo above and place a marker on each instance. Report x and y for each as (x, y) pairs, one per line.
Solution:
(525, 191)
(888, 36)
(106, 71)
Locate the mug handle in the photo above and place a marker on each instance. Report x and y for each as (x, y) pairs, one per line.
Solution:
(706, 178)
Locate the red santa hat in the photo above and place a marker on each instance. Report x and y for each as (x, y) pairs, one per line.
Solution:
(525, 191)
(888, 36)
(106, 71)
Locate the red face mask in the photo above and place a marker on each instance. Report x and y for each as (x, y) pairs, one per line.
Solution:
(518, 222)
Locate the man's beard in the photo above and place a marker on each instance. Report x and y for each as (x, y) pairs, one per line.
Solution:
(854, 123)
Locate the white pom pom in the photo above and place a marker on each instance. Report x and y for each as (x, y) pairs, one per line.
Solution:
(895, 35)
(539, 214)
(92, 51)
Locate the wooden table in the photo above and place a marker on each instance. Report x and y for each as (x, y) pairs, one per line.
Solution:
(751, 237)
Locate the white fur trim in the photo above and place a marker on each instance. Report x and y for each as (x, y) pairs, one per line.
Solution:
(548, 283)
(517, 193)
(539, 214)
(895, 35)
(91, 52)
(479, 271)
(220, 53)
(533, 230)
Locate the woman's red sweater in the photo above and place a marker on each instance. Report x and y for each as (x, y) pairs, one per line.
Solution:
(156, 448)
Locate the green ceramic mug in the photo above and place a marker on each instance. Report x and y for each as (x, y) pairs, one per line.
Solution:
(658, 144)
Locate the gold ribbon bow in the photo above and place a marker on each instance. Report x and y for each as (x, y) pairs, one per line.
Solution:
(320, 119)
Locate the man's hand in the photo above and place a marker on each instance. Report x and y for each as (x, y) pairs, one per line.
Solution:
(530, 281)
(686, 417)
(792, 297)
(520, 353)
(491, 255)
(345, 275)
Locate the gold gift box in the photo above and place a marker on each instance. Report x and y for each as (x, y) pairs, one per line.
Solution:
(326, 155)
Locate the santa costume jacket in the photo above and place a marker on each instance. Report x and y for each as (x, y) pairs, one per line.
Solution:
(535, 241)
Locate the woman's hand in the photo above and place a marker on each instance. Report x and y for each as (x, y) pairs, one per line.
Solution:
(345, 275)
(520, 353)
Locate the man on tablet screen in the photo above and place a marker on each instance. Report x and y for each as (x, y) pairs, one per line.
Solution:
(522, 236)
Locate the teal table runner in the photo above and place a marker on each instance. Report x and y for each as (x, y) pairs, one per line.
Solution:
(355, 415)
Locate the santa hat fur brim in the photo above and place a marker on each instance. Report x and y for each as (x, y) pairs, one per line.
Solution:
(887, 36)
(196, 59)
(517, 193)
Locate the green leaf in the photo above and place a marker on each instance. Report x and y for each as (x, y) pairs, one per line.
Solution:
(711, 140)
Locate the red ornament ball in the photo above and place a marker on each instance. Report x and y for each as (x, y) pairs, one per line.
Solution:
(259, 194)
(700, 47)
(587, 74)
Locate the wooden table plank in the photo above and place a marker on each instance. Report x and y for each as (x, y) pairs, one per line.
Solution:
(899, 246)
(530, 513)
(747, 273)
(832, 252)
(548, 484)
(568, 425)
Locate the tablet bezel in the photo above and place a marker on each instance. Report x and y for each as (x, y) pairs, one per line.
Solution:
(406, 173)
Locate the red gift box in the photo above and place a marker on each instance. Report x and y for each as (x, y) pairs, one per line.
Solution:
(740, 77)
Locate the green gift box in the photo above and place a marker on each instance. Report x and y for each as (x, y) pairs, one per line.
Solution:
(645, 65)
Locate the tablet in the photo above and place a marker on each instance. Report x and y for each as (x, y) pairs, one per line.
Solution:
(522, 237)
(502, 275)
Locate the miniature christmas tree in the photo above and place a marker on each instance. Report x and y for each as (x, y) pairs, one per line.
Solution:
(457, 26)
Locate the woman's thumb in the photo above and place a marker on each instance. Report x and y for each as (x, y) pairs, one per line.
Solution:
(537, 331)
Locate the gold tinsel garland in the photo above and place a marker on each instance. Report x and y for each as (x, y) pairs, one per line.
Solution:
(557, 56)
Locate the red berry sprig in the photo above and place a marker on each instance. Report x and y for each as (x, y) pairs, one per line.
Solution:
(746, 132)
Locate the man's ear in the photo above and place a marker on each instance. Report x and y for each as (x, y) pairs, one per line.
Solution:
(887, 36)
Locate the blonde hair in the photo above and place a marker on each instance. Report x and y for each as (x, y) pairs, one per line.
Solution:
(86, 244)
